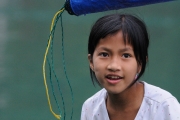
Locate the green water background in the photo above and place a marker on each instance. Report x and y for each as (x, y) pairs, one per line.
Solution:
(24, 31)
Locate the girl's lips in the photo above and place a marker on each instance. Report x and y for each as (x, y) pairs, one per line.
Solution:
(113, 79)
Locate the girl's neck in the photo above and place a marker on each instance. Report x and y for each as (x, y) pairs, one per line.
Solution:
(128, 100)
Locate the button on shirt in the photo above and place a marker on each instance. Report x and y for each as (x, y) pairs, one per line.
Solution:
(157, 104)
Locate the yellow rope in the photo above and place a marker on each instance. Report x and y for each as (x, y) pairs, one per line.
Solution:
(44, 64)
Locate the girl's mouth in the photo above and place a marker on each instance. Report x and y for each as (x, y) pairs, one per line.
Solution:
(113, 79)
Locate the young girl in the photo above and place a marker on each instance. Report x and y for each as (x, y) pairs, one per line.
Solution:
(118, 53)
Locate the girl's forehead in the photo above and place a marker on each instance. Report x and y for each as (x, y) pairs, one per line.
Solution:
(116, 39)
(113, 44)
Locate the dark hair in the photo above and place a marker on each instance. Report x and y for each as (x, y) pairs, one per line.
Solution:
(134, 33)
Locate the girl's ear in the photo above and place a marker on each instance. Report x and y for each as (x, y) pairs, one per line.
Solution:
(139, 69)
(90, 62)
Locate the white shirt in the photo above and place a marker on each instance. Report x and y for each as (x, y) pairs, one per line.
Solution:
(157, 104)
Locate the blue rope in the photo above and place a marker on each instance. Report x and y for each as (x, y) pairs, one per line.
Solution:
(51, 69)
(65, 72)
(52, 62)
(52, 86)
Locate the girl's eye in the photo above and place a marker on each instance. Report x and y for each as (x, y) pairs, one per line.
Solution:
(103, 54)
(126, 55)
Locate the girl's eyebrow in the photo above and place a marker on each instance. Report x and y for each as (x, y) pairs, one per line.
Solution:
(105, 49)
(120, 50)
(125, 49)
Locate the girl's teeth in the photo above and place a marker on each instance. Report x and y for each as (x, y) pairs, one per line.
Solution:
(113, 77)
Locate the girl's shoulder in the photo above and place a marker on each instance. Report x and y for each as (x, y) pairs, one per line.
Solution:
(97, 98)
(156, 93)
(95, 107)
(158, 104)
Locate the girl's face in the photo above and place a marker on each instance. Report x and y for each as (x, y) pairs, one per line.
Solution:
(114, 63)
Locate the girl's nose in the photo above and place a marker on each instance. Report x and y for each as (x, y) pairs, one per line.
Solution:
(114, 65)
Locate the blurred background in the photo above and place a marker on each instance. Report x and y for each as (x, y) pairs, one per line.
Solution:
(24, 31)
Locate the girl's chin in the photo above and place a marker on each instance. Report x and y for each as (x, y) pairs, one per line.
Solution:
(113, 91)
